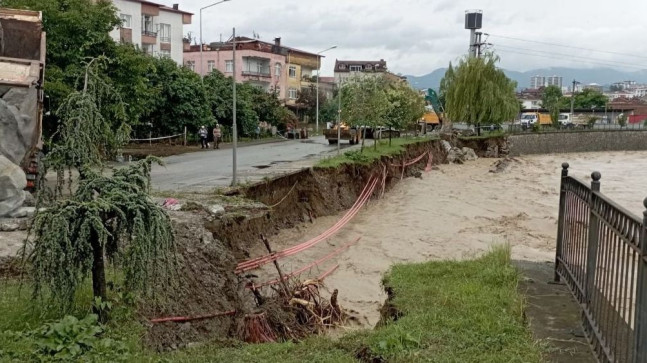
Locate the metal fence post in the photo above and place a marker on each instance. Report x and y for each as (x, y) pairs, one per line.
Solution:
(640, 323)
(594, 238)
(560, 219)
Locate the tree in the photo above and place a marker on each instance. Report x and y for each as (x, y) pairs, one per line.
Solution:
(183, 100)
(308, 100)
(406, 106)
(550, 100)
(105, 217)
(445, 82)
(479, 93)
(590, 98)
(365, 103)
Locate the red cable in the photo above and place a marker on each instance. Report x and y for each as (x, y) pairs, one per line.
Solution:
(328, 273)
(257, 262)
(296, 249)
(180, 319)
(305, 268)
(354, 207)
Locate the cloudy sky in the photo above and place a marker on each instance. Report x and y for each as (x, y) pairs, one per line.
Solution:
(417, 36)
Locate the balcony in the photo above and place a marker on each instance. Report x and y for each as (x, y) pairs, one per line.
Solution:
(149, 33)
(264, 73)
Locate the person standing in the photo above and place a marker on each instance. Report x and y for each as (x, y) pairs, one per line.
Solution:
(203, 137)
(217, 134)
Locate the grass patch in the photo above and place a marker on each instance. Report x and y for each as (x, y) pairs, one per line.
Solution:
(450, 311)
(370, 154)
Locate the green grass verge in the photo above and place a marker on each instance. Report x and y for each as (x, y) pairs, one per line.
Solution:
(467, 311)
(370, 153)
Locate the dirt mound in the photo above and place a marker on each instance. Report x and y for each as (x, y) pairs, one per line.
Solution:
(205, 284)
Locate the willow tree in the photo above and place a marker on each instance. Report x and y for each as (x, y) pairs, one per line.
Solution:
(480, 93)
(106, 218)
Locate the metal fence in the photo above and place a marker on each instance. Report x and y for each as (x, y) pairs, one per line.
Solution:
(521, 129)
(602, 256)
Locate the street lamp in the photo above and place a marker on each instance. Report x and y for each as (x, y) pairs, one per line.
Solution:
(201, 46)
(317, 95)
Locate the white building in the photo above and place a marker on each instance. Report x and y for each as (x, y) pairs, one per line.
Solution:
(345, 69)
(537, 82)
(155, 28)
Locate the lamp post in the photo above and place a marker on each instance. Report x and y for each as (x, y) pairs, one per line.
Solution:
(201, 46)
(317, 95)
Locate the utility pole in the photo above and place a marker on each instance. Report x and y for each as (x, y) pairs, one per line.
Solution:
(573, 101)
(234, 130)
(339, 116)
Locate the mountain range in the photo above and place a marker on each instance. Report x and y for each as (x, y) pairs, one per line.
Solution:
(602, 76)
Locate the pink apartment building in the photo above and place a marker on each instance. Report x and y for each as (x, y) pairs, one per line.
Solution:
(259, 63)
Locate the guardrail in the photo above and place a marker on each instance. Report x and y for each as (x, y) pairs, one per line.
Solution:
(601, 255)
(521, 129)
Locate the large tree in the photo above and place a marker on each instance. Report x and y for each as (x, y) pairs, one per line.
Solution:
(550, 99)
(406, 106)
(587, 99)
(365, 102)
(480, 93)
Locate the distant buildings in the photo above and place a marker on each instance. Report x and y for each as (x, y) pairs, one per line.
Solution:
(537, 82)
(272, 67)
(154, 28)
(345, 69)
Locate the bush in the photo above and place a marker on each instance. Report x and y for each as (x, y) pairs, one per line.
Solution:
(592, 120)
(622, 120)
(357, 156)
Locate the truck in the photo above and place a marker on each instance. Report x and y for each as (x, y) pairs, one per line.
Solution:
(343, 132)
(568, 120)
(528, 119)
(22, 73)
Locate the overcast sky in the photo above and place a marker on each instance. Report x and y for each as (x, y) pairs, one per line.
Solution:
(417, 36)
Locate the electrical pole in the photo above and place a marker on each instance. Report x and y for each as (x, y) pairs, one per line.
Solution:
(573, 101)
(339, 116)
(234, 127)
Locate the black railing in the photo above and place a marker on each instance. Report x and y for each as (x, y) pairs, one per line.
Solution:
(149, 33)
(257, 73)
(522, 129)
(601, 255)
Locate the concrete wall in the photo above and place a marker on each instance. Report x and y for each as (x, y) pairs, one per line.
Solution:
(567, 142)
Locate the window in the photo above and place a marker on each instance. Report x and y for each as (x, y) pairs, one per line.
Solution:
(148, 26)
(277, 90)
(292, 93)
(211, 65)
(190, 65)
(277, 69)
(165, 53)
(126, 21)
(355, 68)
(342, 66)
(229, 66)
(165, 33)
(293, 72)
(148, 49)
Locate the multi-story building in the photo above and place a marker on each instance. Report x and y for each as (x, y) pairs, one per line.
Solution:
(345, 69)
(538, 81)
(270, 66)
(154, 28)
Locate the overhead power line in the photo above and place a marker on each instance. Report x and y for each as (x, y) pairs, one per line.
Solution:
(569, 56)
(564, 58)
(568, 46)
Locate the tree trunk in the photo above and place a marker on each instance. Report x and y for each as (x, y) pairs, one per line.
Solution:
(389, 135)
(363, 138)
(99, 278)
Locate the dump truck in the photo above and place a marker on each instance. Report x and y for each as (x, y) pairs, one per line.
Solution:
(530, 118)
(345, 132)
(22, 73)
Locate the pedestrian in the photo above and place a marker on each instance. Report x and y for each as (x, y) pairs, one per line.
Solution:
(203, 137)
(258, 132)
(217, 134)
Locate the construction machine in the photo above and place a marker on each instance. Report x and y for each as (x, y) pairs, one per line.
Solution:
(22, 73)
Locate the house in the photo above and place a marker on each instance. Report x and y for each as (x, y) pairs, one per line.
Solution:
(530, 98)
(345, 69)
(154, 28)
(269, 66)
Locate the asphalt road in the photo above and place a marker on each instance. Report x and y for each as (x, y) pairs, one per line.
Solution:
(204, 170)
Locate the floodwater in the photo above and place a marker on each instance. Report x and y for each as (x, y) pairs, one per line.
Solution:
(456, 212)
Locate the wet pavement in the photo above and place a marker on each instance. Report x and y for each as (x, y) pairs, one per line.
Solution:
(205, 170)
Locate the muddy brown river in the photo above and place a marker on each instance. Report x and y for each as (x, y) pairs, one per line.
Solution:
(457, 212)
